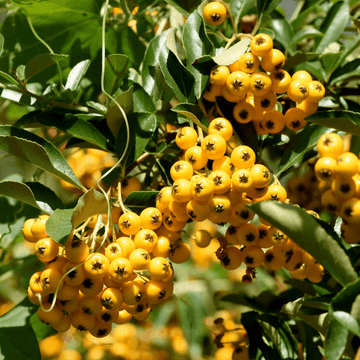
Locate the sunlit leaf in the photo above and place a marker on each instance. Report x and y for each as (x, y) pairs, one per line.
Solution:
(40, 63)
(347, 121)
(37, 151)
(76, 75)
(59, 226)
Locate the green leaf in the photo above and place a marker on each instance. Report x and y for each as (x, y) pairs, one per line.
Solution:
(151, 59)
(91, 203)
(312, 238)
(76, 74)
(232, 54)
(349, 46)
(181, 5)
(20, 72)
(347, 72)
(59, 225)
(2, 40)
(17, 337)
(34, 194)
(347, 121)
(9, 78)
(143, 126)
(240, 8)
(299, 146)
(329, 62)
(280, 334)
(283, 32)
(116, 66)
(318, 322)
(38, 152)
(305, 33)
(335, 341)
(114, 117)
(130, 44)
(176, 75)
(19, 97)
(306, 10)
(192, 112)
(197, 44)
(141, 199)
(347, 321)
(266, 7)
(300, 58)
(333, 25)
(40, 63)
(96, 106)
(142, 100)
(78, 128)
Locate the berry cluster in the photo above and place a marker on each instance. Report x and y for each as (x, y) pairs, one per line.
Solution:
(221, 196)
(92, 281)
(341, 171)
(254, 91)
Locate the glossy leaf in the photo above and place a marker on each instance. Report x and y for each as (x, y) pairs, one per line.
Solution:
(197, 44)
(347, 321)
(114, 116)
(36, 151)
(347, 72)
(266, 7)
(301, 58)
(333, 25)
(305, 33)
(17, 338)
(335, 341)
(59, 225)
(232, 54)
(329, 62)
(283, 32)
(78, 128)
(40, 63)
(193, 112)
(299, 146)
(325, 249)
(180, 5)
(8, 78)
(151, 59)
(318, 322)
(176, 75)
(141, 199)
(142, 101)
(307, 9)
(240, 8)
(34, 194)
(76, 75)
(116, 66)
(349, 46)
(19, 97)
(92, 203)
(348, 121)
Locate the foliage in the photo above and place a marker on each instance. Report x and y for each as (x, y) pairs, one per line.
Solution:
(155, 65)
